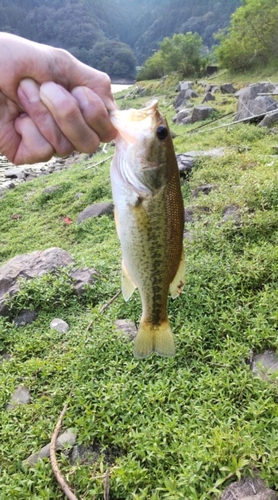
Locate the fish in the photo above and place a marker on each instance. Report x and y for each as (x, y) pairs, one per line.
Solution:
(149, 217)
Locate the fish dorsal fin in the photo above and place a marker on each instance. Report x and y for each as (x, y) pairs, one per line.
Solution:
(176, 286)
(128, 286)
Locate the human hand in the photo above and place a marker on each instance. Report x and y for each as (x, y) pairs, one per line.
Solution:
(50, 103)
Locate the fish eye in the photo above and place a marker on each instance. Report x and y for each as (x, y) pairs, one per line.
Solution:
(161, 132)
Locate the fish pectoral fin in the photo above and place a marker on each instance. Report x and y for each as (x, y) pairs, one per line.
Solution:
(128, 286)
(177, 284)
(158, 338)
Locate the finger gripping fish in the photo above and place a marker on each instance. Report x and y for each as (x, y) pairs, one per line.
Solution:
(149, 218)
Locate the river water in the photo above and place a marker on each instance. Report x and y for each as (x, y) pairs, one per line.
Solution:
(6, 165)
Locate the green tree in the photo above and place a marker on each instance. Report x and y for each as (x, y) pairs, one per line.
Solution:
(252, 37)
(183, 53)
(113, 57)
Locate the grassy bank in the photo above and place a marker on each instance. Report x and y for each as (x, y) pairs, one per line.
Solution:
(166, 429)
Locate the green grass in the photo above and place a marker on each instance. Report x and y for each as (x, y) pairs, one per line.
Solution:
(179, 428)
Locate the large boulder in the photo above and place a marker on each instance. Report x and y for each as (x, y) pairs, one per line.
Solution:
(201, 112)
(269, 120)
(253, 90)
(253, 107)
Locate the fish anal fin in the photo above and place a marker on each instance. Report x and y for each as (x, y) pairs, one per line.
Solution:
(128, 286)
(177, 284)
(158, 338)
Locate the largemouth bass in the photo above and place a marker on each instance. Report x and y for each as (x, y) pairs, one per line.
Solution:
(149, 218)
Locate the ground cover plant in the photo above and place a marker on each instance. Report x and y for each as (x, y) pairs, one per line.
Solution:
(165, 428)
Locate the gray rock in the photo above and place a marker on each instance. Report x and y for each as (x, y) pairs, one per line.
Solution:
(269, 120)
(5, 356)
(127, 327)
(78, 195)
(83, 277)
(21, 396)
(64, 441)
(231, 213)
(60, 325)
(187, 120)
(265, 365)
(25, 318)
(90, 454)
(180, 100)
(212, 88)
(249, 489)
(252, 91)
(28, 266)
(201, 112)
(227, 88)
(96, 210)
(208, 97)
(184, 86)
(205, 189)
(183, 113)
(253, 107)
(191, 94)
(51, 189)
(15, 173)
(185, 163)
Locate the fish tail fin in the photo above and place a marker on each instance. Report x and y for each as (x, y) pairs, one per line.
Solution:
(158, 338)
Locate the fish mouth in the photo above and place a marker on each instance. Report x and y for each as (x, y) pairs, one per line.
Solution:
(134, 115)
(133, 123)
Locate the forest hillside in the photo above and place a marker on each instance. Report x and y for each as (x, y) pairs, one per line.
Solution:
(85, 27)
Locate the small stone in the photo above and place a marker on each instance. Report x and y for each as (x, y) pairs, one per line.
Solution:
(51, 189)
(78, 195)
(227, 88)
(208, 97)
(231, 213)
(83, 277)
(96, 210)
(60, 325)
(25, 318)
(127, 327)
(5, 356)
(21, 396)
(65, 440)
(265, 365)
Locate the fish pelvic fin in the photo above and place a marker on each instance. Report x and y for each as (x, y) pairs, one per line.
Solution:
(128, 286)
(177, 284)
(150, 338)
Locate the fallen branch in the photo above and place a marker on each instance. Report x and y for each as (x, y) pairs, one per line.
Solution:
(109, 302)
(59, 476)
(100, 162)
(250, 119)
(208, 123)
(106, 485)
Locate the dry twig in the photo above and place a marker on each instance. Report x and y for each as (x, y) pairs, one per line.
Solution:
(109, 302)
(100, 162)
(106, 485)
(59, 476)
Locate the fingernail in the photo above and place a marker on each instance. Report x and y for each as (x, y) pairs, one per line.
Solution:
(52, 92)
(30, 89)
